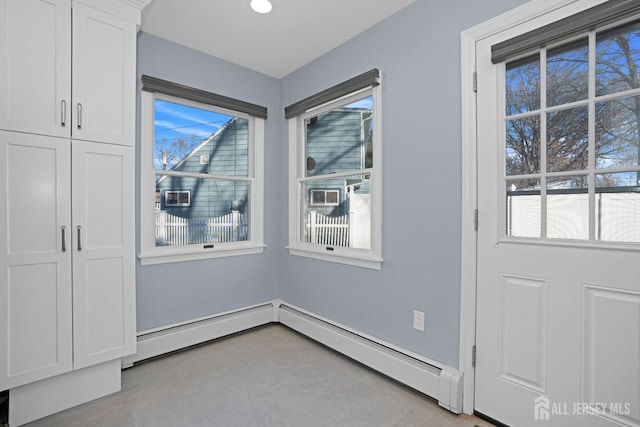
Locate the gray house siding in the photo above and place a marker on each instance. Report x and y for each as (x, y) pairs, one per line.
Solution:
(228, 156)
(336, 142)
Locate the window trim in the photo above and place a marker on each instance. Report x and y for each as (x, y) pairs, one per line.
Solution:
(177, 204)
(365, 258)
(149, 254)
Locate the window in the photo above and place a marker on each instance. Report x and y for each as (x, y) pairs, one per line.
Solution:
(177, 198)
(335, 158)
(201, 163)
(572, 140)
(325, 197)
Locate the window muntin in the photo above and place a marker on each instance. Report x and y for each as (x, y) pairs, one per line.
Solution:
(206, 170)
(588, 121)
(337, 152)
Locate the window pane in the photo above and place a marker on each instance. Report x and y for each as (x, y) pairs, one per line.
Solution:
(617, 133)
(523, 86)
(189, 139)
(523, 146)
(523, 208)
(568, 140)
(567, 208)
(568, 73)
(618, 207)
(217, 210)
(618, 59)
(341, 139)
(347, 222)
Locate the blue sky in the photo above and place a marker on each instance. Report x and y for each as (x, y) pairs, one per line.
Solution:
(176, 121)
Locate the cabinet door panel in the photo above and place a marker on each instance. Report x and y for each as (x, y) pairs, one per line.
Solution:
(103, 257)
(35, 66)
(103, 77)
(35, 290)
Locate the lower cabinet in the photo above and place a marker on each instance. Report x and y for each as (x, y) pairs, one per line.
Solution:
(67, 292)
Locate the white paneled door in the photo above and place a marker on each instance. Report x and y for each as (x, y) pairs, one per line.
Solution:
(558, 307)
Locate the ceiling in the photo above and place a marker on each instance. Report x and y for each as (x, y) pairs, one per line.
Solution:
(295, 33)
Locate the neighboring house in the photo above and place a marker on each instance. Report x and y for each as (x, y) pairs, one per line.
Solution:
(337, 141)
(223, 153)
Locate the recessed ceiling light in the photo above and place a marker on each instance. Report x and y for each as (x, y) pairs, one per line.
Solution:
(261, 6)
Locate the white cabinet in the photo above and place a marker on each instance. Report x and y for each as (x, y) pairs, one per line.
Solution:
(67, 260)
(35, 260)
(67, 69)
(67, 130)
(103, 253)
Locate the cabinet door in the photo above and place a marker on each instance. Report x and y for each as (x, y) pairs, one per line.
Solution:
(104, 64)
(103, 252)
(35, 258)
(35, 66)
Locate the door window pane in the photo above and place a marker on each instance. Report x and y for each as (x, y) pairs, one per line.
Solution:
(617, 138)
(618, 59)
(618, 207)
(523, 86)
(523, 208)
(567, 208)
(523, 146)
(568, 140)
(567, 73)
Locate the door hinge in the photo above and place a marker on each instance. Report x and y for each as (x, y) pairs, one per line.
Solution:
(475, 81)
(473, 356)
(475, 219)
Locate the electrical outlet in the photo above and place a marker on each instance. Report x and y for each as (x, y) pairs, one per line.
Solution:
(418, 320)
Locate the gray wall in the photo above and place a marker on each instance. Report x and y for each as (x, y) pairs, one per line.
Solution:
(418, 53)
(171, 293)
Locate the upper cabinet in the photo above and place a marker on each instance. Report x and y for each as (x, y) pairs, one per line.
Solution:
(67, 69)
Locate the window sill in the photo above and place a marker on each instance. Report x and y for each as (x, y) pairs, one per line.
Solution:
(166, 255)
(371, 262)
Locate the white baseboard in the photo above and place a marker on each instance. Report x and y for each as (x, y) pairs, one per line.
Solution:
(41, 398)
(437, 381)
(429, 377)
(159, 342)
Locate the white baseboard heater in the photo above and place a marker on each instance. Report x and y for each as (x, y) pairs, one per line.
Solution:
(161, 341)
(440, 382)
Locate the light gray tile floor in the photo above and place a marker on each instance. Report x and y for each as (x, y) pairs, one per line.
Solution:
(269, 376)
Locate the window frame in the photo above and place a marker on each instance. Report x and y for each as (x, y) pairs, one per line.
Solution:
(151, 254)
(367, 258)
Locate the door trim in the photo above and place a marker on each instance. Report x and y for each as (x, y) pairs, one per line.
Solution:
(550, 10)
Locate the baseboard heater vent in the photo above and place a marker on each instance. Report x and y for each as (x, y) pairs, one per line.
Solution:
(176, 337)
(441, 383)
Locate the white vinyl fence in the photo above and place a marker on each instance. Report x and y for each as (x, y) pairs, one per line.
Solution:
(173, 230)
(327, 230)
(617, 216)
